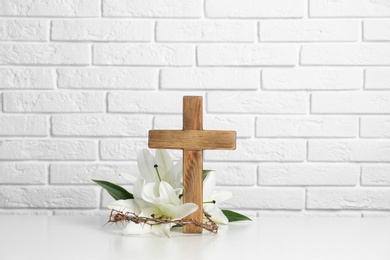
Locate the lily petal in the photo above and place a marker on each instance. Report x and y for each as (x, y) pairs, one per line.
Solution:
(146, 164)
(136, 229)
(137, 192)
(220, 196)
(168, 194)
(148, 212)
(174, 175)
(131, 177)
(163, 161)
(209, 186)
(162, 230)
(150, 192)
(124, 206)
(216, 214)
(178, 212)
(137, 188)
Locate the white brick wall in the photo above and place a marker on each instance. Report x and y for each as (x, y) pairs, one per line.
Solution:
(254, 9)
(98, 30)
(62, 8)
(312, 79)
(108, 78)
(247, 55)
(305, 83)
(308, 31)
(202, 31)
(143, 55)
(44, 54)
(26, 78)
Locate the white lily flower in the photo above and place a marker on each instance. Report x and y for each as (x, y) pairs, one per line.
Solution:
(212, 199)
(159, 200)
(156, 205)
(156, 193)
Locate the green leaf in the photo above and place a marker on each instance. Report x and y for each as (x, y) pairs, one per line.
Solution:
(205, 172)
(234, 216)
(117, 192)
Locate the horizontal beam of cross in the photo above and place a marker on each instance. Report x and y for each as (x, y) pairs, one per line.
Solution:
(192, 139)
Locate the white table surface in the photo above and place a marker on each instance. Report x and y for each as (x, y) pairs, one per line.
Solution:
(59, 237)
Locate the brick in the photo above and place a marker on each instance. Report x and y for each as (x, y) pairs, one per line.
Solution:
(309, 30)
(347, 198)
(205, 78)
(84, 173)
(261, 151)
(242, 174)
(44, 54)
(43, 149)
(376, 175)
(375, 127)
(351, 103)
(150, 8)
(121, 149)
(349, 8)
(145, 102)
(53, 102)
(346, 54)
(254, 102)
(308, 174)
(22, 173)
(312, 79)
(377, 78)
(243, 125)
(108, 78)
(48, 197)
(158, 55)
(349, 151)
(263, 198)
(255, 9)
(205, 31)
(23, 30)
(80, 8)
(101, 125)
(376, 30)
(15, 125)
(78, 212)
(304, 126)
(102, 30)
(247, 55)
(26, 78)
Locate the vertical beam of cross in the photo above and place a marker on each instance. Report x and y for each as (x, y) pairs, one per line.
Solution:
(193, 161)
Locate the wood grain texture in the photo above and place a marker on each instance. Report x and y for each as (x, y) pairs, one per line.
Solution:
(192, 113)
(193, 160)
(193, 139)
(193, 186)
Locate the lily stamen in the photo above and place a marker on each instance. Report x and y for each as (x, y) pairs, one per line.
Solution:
(209, 202)
(158, 173)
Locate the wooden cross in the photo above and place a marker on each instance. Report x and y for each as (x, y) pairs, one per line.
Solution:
(193, 140)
